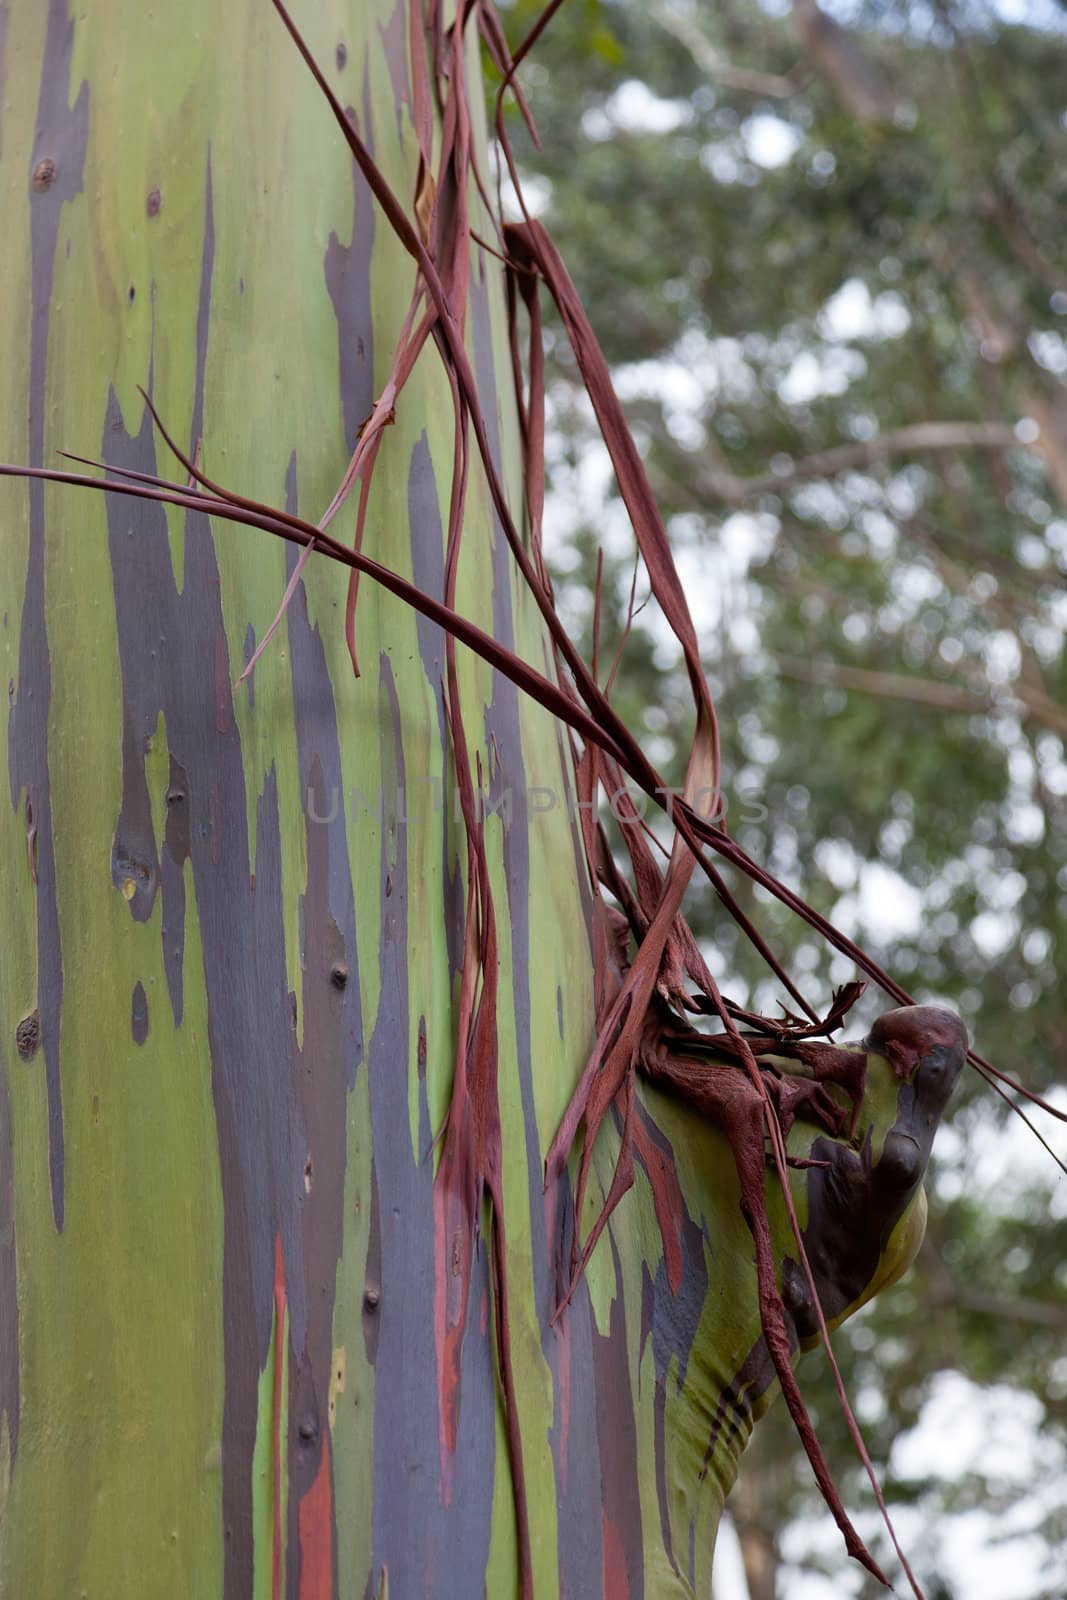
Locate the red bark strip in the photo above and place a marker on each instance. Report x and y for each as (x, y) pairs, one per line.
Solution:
(277, 1574)
(616, 1577)
(316, 1533)
(667, 1198)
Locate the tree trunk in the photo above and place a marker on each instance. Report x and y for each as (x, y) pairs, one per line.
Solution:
(234, 918)
(235, 1349)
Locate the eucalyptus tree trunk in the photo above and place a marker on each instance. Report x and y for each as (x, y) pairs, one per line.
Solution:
(234, 915)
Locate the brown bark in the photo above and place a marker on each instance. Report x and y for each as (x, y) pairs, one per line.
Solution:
(752, 1512)
(856, 82)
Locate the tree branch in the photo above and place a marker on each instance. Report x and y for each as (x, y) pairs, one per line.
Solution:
(888, 685)
(859, 85)
(1011, 1308)
(707, 58)
(1050, 414)
(1025, 700)
(1005, 211)
(917, 438)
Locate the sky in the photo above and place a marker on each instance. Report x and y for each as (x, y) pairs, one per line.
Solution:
(985, 1555)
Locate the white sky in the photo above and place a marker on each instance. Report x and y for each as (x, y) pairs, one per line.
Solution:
(985, 1555)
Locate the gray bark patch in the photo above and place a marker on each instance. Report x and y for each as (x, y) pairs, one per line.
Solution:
(139, 1014)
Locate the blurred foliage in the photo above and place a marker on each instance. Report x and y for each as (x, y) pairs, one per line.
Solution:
(798, 231)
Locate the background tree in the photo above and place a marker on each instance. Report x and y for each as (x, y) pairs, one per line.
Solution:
(830, 242)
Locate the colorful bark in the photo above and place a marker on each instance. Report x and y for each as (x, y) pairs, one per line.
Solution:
(239, 919)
